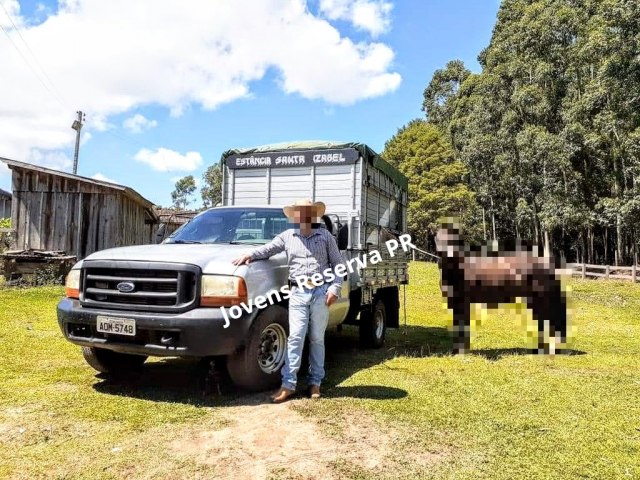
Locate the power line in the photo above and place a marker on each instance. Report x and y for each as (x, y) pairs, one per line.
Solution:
(55, 94)
(51, 88)
(35, 57)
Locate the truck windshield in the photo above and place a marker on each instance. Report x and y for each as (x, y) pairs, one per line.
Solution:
(232, 225)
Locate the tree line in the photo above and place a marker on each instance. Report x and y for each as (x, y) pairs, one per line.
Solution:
(543, 143)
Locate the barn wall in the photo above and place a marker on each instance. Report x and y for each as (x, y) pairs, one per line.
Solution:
(59, 213)
(137, 232)
(5, 207)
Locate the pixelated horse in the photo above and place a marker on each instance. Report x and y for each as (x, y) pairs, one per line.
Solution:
(470, 277)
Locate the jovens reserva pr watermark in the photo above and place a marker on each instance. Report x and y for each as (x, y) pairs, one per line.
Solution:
(317, 279)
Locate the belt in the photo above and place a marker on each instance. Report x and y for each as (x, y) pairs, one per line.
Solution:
(308, 284)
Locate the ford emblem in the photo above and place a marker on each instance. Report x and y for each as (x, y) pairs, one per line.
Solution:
(126, 287)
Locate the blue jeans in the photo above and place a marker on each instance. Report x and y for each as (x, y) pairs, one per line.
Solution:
(308, 312)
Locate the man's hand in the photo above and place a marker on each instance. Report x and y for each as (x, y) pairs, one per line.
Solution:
(331, 298)
(242, 260)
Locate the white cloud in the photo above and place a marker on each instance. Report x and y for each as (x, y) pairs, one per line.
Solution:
(165, 160)
(13, 9)
(103, 178)
(85, 137)
(50, 159)
(176, 54)
(4, 171)
(370, 15)
(98, 122)
(138, 123)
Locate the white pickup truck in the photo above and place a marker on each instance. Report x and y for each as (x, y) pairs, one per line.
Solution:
(125, 304)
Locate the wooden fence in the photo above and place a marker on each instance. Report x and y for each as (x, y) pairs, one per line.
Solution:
(585, 270)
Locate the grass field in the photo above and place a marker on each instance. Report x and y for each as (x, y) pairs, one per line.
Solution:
(495, 413)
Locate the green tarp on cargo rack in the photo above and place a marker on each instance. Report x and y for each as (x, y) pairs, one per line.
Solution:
(366, 152)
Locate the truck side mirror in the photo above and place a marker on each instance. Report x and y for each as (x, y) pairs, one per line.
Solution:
(327, 223)
(343, 237)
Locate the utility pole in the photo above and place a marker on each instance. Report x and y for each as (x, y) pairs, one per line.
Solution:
(77, 126)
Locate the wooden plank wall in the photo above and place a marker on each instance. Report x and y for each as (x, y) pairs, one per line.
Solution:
(134, 218)
(59, 213)
(5, 207)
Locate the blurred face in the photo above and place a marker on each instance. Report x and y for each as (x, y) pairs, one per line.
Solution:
(443, 239)
(304, 215)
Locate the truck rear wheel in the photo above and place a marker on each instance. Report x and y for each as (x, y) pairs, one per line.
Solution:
(108, 361)
(373, 326)
(257, 366)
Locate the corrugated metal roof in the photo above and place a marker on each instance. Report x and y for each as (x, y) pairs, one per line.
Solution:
(4, 193)
(129, 192)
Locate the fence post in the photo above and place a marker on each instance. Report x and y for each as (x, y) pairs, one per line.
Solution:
(413, 253)
(606, 272)
(584, 270)
(633, 272)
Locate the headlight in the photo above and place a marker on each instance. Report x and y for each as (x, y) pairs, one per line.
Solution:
(222, 291)
(72, 284)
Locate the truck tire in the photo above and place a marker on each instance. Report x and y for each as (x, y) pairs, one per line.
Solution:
(373, 326)
(257, 366)
(108, 361)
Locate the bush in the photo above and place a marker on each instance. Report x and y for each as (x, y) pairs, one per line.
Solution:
(48, 275)
(5, 237)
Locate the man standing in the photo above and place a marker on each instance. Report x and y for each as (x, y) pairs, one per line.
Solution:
(309, 251)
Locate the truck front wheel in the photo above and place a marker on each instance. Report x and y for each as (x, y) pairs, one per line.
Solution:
(373, 326)
(257, 366)
(108, 361)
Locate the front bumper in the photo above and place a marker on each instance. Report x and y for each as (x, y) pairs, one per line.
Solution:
(196, 333)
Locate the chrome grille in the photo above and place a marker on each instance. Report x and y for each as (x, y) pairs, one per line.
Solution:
(158, 287)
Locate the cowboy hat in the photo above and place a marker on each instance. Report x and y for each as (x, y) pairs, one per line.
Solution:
(319, 207)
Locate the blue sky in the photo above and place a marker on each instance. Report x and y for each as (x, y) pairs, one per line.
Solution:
(155, 82)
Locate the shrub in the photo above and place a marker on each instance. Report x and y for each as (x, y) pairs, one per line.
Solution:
(5, 237)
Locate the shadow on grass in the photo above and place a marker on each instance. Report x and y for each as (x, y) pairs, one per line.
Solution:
(498, 353)
(370, 392)
(195, 382)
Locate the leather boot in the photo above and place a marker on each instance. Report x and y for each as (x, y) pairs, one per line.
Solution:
(282, 395)
(314, 391)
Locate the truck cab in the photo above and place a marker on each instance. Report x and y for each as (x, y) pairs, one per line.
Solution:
(184, 297)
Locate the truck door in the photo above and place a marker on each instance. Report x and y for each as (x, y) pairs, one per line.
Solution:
(338, 311)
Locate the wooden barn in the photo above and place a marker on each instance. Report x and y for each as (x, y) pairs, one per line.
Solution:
(173, 219)
(5, 204)
(55, 210)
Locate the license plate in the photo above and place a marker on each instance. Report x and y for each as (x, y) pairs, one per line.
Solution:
(117, 326)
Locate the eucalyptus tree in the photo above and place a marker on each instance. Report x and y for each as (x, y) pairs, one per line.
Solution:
(549, 130)
(436, 180)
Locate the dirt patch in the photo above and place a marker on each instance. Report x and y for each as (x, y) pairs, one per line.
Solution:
(263, 439)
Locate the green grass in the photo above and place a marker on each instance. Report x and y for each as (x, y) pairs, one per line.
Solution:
(502, 413)
(57, 419)
(495, 413)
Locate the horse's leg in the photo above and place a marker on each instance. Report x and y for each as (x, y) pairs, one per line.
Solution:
(461, 326)
(557, 301)
(538, 305)
(550, 308)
